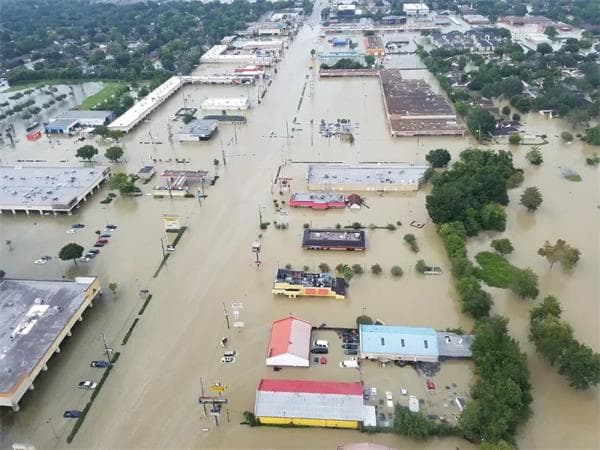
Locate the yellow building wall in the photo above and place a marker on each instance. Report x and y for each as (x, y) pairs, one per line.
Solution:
(322, 423)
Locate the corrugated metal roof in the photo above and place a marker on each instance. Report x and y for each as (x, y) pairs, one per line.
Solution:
(398, 340)
(311, 386)
(309, 399)
(290, 335)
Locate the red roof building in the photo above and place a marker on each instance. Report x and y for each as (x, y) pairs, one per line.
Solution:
(289, 344)
(311, 387)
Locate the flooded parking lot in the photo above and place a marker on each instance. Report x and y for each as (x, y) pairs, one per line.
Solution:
(150, 398)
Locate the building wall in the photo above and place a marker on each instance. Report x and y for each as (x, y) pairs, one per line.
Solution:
(398, 357)
(323, 423)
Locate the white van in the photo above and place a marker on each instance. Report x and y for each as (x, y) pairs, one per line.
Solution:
(349, 364)
(320, 344)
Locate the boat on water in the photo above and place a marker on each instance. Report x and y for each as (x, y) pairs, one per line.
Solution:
(32, 126)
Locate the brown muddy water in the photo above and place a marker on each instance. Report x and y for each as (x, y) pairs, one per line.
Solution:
(150, 398)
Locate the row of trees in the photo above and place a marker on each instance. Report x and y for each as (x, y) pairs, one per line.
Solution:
(87, 152)
(554, 341)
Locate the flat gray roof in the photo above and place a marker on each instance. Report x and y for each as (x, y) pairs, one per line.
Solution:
(200, 127)
(452, 345)
(47, 188)
(32, 315)
(365, 174)
(80, 114)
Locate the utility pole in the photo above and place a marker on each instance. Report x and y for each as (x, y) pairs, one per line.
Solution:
(260, 221)
(312, 122)
(226, 316)
(162, 246)
(223, 153)
(106, 349)
(202, 390)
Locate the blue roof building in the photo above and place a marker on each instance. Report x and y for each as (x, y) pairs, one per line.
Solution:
(388, 343)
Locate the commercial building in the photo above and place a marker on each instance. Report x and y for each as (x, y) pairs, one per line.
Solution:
(415, 9)
(225, 104)
(146, 172)
(47, 189)
(289, 344)
(297, 283)
(452, 345)
(317, 200)
(68, 121)
(219, 54)
(333, 239)
(309, 403)
(177, 182)
(390, 343)
(374, 46)
(36, 317)
(365, 177)
(476, 19)
(198, 130)
(413, 109)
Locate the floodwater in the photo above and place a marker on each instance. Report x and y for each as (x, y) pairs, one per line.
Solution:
(150, 398)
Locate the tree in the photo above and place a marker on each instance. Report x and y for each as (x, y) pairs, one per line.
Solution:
(531, 198)
(475, 301)
(502, 246)
(101, 130)
(421, 266)
(71, 251)
(324, 267)
(123, 183)
(578, 118)
(493, 217)
(560, 252)
(114, 153)
(592, 135)
(500, 445)
(514, 139)
(440, 157)
(396, 271)
(413, 425)
(566, 136)
(357, 269)
(411, 240)
(363, 320)
(480, 122)
(506, 111)
(516, 117)
(376, 269)
(369, 60)
(534, 156)
(544, 48)
(312, 52)
(524, 284)
(113, 288)
(116, 134)
(580, 365)
(87, 152)
(188, 117)
(571, 45)
(551, 32)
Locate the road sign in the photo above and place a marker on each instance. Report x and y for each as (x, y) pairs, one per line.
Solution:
(171, 222)
(217, 388)
(207, 400)
(237, 305)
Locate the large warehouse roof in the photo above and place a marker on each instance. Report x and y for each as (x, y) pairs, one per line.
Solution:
(289, 344)
(47, 188)
(309, 399)
(34, 315)
(398, 340)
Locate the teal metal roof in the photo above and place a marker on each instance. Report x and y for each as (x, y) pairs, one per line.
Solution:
(406, 341)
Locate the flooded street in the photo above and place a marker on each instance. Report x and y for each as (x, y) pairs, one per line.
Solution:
(150, 398)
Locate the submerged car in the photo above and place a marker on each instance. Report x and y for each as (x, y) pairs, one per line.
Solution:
(94, 251)
(71, 231)
(87, 385)
(351, 351)
(78, 225)
(111, 227)
(40, 261)
(228, 359)
(99, 364)
(71, 414)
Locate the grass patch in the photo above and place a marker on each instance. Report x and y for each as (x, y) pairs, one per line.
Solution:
(109, 90)
(573, 177)
(81, 418)
(164, 260)
(143, 308)
(495, 270)
(128, 334)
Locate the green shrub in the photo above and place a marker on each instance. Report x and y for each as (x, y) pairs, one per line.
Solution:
(421, 266)
(376, 269)
(411, 240)
(324, 267)
(396, 271)
(357, 269)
